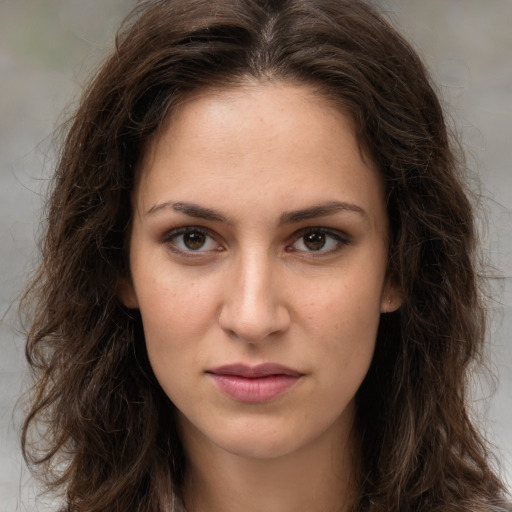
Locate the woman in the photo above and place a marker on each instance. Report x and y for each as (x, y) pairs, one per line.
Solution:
(258, 288)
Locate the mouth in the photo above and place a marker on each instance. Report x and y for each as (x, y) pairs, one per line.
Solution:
(254, 384)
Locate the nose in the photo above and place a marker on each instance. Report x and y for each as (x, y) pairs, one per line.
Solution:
(253, 310)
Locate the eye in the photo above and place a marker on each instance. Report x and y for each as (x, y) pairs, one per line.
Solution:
(318, 240)
(191, 239)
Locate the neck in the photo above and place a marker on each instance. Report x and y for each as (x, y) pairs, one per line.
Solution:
(318, 476)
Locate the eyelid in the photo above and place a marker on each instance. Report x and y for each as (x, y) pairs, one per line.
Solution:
(341, 237)
(171, 234)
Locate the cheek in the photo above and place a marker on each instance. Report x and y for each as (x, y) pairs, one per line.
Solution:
(176, 317)
(347, 301)
(175, 311)
(347, 337)
(344, 320)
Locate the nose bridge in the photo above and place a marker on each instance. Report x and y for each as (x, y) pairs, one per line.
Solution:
(255, 283)
(253, 309)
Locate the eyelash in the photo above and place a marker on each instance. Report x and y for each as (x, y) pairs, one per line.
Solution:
(169, 237)
(339, 238)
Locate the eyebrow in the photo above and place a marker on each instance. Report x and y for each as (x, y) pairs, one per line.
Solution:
(291, 217)
(190, 209)
(320, 210)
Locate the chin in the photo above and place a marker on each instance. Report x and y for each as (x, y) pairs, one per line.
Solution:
(262, 446)
(272, 438)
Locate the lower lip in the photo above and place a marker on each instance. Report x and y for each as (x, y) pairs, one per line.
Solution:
(254, 390)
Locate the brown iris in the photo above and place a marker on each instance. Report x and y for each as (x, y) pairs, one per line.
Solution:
(194, 240)
(314, 241)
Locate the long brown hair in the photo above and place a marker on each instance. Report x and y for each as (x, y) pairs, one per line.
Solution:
(99, 426)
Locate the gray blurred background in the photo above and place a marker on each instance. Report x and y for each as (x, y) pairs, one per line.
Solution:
(49, 47)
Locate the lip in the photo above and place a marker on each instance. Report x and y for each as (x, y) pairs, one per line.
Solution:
(254, 384)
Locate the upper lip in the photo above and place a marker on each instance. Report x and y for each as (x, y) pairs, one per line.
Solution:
(253, 372)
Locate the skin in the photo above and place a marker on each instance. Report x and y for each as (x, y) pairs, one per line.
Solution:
(253, 290)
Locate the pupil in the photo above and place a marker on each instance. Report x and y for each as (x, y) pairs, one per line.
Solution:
(314, 241)
(194, 240)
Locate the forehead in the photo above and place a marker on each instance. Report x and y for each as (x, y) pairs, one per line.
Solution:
(255, 142)
(249, 109)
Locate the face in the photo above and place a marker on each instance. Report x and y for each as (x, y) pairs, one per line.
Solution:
(258, 262)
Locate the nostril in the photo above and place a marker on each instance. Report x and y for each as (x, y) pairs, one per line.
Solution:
(253, 308)
(252, 325)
